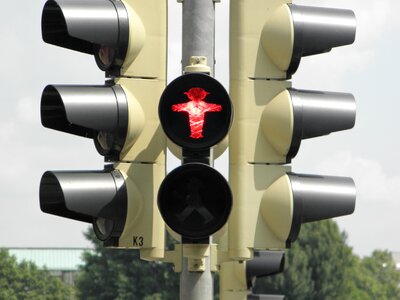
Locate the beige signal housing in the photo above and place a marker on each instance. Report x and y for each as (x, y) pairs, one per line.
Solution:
(146, 61)
(233, 285)
(263, 124)
(145, 139)
(261, 39)
(147, 48)
(144, 228)
(261, 216)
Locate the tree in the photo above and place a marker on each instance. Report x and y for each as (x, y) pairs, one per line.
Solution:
(317, 266)
(376, 278)
(120, 274)
(25, 281)
(321, 266)
(295, 283)
(329, 259)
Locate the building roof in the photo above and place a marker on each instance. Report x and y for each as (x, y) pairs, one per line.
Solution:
(53, 259)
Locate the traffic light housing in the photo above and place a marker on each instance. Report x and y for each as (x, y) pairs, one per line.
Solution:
(267, 41)
(118, 116)
(116, 201)
(129, 42)
(280, 117)
(101, 199)
(127, 38)
(137, 33)
(270, 38)
(194, 199)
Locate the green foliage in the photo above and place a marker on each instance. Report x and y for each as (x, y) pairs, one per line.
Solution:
(295, 282)
(320, 266)
(376, 278)
(329, 259)
(316, 266)
(120, 274)
(24, 280)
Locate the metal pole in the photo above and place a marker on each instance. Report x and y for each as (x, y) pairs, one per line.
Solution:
(198, 31)
(196, 285)
(198, 36)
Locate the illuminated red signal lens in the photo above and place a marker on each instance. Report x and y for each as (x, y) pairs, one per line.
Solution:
(196, 109)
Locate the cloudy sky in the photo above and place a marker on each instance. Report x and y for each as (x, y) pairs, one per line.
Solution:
(367, 153)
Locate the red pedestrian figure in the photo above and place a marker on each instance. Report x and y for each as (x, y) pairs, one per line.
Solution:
(196, 109)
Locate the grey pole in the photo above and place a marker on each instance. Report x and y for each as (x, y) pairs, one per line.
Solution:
(196, 285)
(198, 31)
(198, 36)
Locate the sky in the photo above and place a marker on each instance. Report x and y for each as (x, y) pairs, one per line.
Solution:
(367, 153)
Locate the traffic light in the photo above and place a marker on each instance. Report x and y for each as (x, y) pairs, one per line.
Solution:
(194, 199)
(270, 38)
(267, 41)
(128, 40)
(238, 278)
